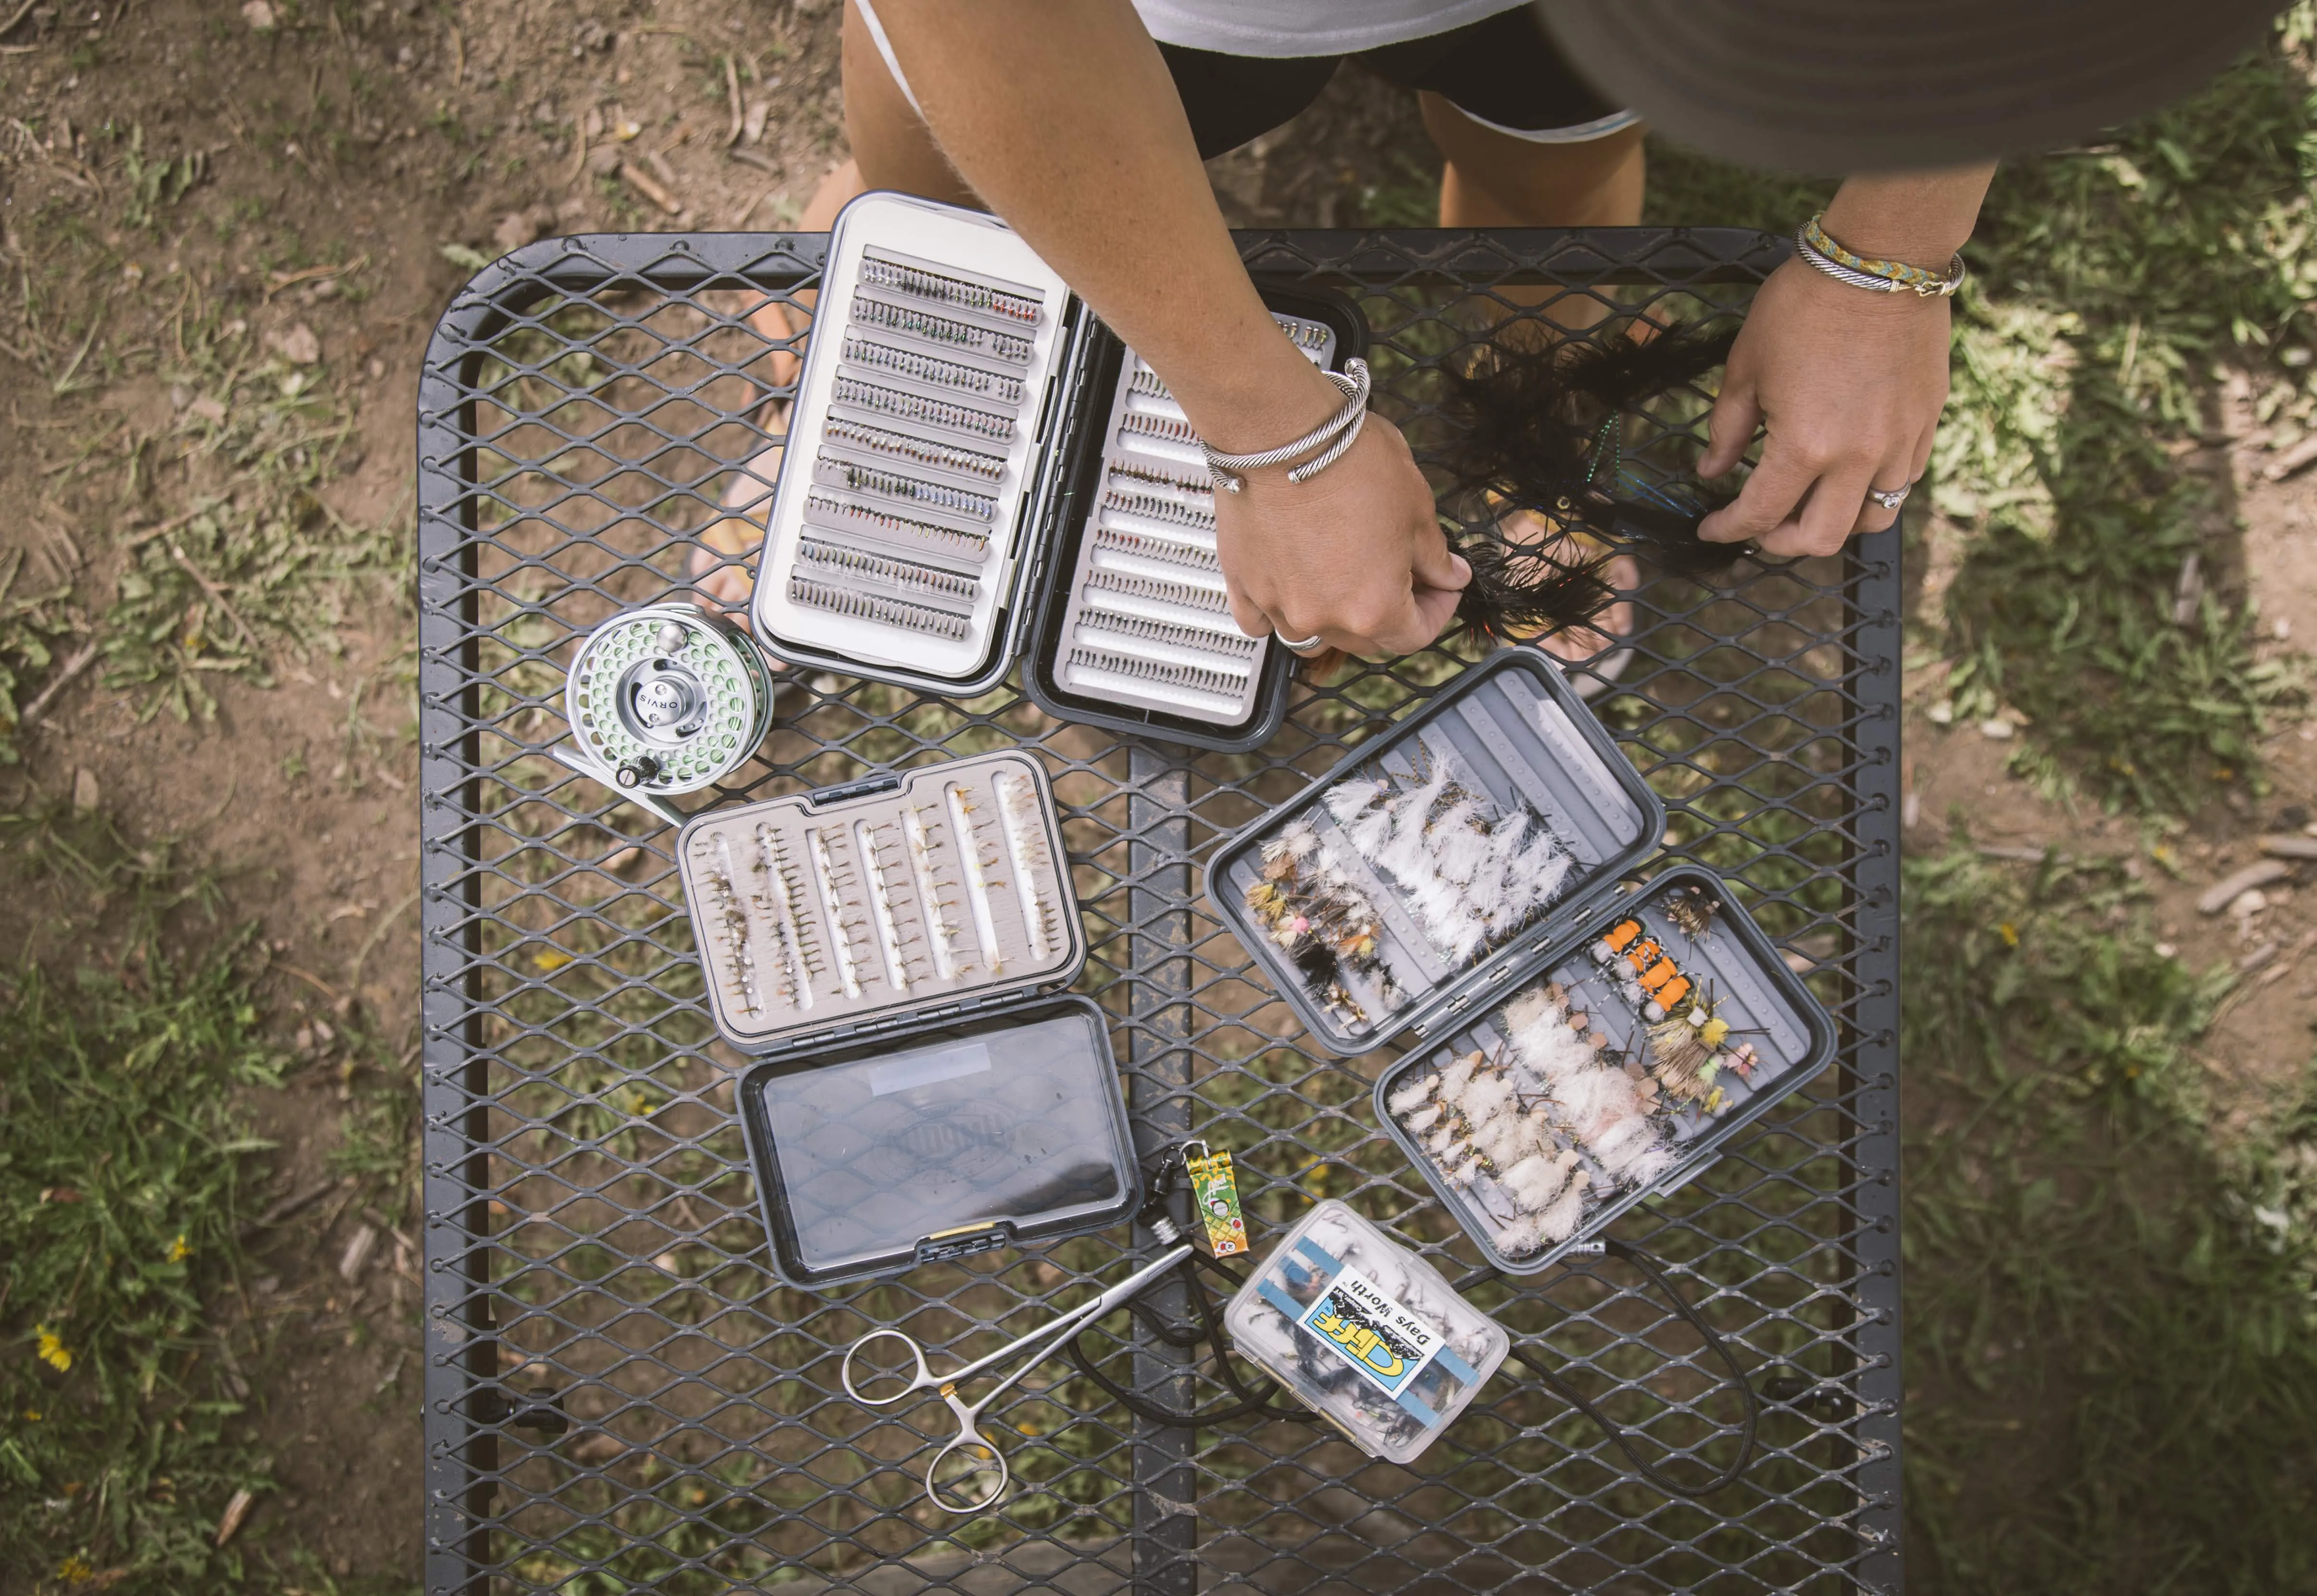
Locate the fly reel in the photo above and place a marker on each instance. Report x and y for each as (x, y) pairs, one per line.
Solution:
(667, 698)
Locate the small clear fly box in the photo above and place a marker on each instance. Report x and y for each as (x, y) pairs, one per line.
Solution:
(1462, 880)
(903, 530)
(896, 947)
(1133, 628)
(1364, 1333)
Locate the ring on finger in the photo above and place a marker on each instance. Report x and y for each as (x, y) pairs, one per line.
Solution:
(1309, 645)
(1891, 498)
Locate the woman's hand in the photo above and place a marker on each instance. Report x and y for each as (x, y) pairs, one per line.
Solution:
(1354, 555)
(1847, 385)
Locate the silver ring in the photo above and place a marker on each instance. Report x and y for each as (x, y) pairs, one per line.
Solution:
(1305, 646)
(1890, 498)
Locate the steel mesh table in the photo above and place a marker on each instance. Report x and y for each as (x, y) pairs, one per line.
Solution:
(619, 1394)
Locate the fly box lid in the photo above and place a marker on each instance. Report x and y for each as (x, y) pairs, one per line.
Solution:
(1613, 1068)
(940, 1140)
(1364, 1333)
(1527, 814)
(903, 530)
(1133, 628)
(895, 900)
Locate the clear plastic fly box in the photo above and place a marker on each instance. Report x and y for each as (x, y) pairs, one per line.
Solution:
(1464, 882)
(1364, 1333)
(897, 949)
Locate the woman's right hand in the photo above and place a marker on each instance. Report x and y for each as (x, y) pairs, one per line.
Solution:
(1354, 555)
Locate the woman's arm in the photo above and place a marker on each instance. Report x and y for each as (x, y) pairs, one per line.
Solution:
(1062, 117)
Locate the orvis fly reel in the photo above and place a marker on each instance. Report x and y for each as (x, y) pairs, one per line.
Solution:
(667, 698)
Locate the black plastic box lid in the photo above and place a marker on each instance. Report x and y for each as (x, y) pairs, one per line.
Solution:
(940, 1140)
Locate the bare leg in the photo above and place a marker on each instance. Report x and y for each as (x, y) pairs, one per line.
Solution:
(891, 150)
(1494, 179)
(891, 142)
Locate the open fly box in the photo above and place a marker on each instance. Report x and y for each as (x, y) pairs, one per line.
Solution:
(1462, 880)
(971, 452)
(897, 948)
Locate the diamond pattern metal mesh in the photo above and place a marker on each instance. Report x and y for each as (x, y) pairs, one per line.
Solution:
(621, 1397)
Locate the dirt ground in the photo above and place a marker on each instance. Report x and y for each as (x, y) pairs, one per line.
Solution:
(340, 150)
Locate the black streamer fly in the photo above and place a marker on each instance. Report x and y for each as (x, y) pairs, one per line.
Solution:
(1543, 430)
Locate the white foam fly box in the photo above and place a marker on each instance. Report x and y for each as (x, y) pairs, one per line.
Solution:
(903, 530)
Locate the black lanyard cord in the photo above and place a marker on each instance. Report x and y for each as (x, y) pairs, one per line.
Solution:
(1248, 1403)
(1551, 1380)
(1210, 1332)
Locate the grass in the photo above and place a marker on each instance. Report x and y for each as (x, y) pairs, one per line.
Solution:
(229, 555)
(2117, 289)
(255, 560)
(124, 1176)
(2112, 1373)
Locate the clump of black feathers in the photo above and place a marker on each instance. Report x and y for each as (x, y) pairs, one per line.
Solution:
(1531, 423)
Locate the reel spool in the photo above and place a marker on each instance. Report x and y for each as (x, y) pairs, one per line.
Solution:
(667, 698)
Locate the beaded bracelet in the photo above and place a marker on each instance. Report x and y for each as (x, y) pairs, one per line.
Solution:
(1881, 277)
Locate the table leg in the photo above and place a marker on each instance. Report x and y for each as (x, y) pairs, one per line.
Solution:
(1158, 898)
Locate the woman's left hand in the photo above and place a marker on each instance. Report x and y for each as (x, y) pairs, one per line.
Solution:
(1847, 385)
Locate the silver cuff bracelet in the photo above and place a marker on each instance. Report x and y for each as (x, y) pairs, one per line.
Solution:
(1336, 433)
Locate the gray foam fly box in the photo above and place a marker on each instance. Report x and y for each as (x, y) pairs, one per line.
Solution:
(1465, 882)
(896, 950)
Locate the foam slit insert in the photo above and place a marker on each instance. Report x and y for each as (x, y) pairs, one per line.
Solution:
(1147, 554)
(949, 886)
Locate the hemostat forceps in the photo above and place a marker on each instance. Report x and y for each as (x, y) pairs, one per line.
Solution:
(969, 1473)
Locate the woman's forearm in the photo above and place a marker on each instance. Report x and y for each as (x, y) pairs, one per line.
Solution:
(1918, 218)
(1061, 115)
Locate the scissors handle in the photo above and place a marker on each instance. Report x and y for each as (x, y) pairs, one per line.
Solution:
(979, 1488)
(922, 1381)
(1032, 1349)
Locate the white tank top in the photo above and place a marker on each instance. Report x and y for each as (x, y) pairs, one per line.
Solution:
(1277, 28)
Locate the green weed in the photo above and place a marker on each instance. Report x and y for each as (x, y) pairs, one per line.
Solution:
(125, 1178)
(155, 185)
(2112, 1384)
(2112, 287)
